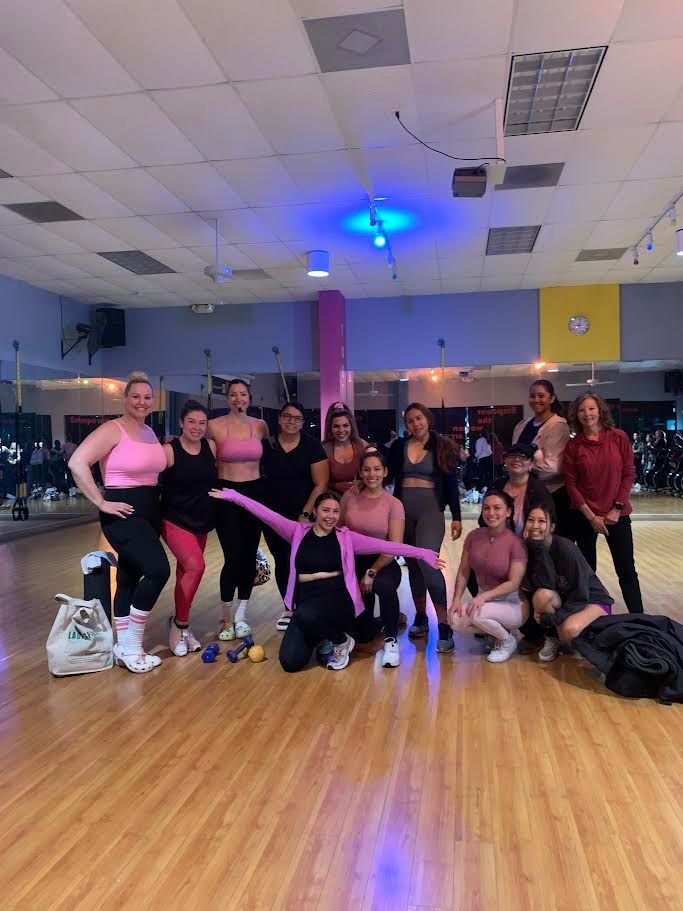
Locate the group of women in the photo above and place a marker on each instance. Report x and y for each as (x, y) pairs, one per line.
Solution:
(334, 530)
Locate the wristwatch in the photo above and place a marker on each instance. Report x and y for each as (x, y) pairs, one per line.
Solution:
(307, 515)
(371, 572)
(618, 506)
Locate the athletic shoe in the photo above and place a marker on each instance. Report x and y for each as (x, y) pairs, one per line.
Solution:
(445, 641)
(193, 644)
(420, 627)
(227, 631)
(488, 642)
(402, 620)
(242, 629)
(177, 639)
(390, 656)
(503, 650)
(550, 650)
(283, 621)
(340, 655)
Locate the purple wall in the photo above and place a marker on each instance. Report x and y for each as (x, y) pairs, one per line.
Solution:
(497, 327)
(31, 315)
(651, 318)
(172, 340)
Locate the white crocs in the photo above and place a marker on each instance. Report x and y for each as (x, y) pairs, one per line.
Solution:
(137, 664)
(242, 629)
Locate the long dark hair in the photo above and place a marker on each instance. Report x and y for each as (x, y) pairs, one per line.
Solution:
(509, 504)
(445, 451)
(555, 405)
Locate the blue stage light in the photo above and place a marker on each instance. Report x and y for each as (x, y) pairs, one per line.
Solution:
(394, 221)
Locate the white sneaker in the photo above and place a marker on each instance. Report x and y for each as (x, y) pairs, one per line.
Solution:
(391, 657)
(550, 650)
(177, 639)
(340, 655)
(503, 649)
(193, 644)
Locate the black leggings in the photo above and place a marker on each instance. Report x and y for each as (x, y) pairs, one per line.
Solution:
(239, 533)
(385, 586)
(620, 543)
(324, 611)
(143, 568)
(281, 552)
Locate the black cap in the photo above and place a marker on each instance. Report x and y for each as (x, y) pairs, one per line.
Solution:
(522, 449)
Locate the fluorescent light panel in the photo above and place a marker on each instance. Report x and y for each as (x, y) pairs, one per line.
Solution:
(548, 92)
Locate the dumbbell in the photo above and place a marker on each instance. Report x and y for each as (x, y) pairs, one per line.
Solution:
(211, 652)
(234, 654)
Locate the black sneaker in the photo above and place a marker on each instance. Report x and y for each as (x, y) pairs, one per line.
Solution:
(445, 641)
(420, 627)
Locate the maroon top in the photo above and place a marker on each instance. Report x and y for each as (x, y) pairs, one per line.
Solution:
(599, 471)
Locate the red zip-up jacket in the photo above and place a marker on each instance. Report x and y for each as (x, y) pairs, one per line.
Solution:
(599, 471)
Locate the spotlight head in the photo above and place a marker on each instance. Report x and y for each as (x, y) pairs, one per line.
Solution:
(379, 240)
(672, 216)
(636, 261)
(650, 242)
(679, 242)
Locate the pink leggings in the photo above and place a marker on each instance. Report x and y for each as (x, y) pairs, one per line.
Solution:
(496, 618)
(188, 549)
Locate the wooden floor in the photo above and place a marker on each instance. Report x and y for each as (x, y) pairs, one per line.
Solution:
(445, 784)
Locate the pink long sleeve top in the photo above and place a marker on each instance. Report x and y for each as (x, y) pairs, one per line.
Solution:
(350, 544)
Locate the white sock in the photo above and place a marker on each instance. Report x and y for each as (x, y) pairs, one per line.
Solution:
(121, 627)
(241, 612)
(226, 612)
(132, 639)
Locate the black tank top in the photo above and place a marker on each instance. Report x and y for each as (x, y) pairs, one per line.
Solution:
(185, 487)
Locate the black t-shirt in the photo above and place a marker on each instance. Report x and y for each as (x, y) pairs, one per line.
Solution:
(319, 554)
(528, 435)
(185, 487)
(288, 474)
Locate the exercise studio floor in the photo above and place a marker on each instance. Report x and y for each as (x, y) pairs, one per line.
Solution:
(448, 783)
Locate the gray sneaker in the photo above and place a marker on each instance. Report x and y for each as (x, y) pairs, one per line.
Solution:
(420, 627)
(340, 655)
(445, 641)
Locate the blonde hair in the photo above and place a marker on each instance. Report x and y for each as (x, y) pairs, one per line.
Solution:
(137, 376)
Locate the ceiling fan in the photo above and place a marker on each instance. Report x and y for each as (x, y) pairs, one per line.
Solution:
(373, 391)
(218, 272)
(592, 381)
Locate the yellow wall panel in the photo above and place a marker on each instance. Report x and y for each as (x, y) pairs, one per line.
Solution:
(599, 304)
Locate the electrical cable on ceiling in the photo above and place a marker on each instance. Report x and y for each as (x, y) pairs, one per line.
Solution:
(484, 158)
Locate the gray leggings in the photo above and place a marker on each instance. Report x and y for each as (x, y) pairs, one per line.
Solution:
(424, 528)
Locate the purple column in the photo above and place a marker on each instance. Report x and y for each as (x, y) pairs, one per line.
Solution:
(336, 383)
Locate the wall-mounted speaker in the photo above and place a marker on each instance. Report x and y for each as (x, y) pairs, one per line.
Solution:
(113, 323)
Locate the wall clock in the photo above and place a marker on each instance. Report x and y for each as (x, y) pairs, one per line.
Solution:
(579, 325)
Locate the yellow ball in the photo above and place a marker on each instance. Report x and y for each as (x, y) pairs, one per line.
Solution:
(256, 654)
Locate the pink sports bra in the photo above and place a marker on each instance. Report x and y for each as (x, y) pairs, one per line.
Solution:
(234, 450)
(132, 463)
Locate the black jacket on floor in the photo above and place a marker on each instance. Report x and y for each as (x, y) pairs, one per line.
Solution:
(639, 654)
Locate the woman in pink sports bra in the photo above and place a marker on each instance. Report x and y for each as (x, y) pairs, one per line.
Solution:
(239, 447)
(131, 459)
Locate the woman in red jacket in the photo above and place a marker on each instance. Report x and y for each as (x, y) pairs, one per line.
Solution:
(599, 474)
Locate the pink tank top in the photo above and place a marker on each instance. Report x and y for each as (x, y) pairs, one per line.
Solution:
(132, 463)
(233, 450)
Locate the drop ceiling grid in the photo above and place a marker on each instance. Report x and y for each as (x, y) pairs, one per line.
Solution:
(76, 136)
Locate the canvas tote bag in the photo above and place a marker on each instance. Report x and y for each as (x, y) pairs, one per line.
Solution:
(81, 639)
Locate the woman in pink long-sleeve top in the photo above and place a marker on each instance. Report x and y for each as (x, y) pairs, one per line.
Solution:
(323, 574)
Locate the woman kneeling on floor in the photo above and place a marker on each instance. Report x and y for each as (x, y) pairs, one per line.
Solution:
(323, 573)
(566, 593)
(498, 558)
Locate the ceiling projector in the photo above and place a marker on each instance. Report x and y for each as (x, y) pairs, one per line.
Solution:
(471, 183)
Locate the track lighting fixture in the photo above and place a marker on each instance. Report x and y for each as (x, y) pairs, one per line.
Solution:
(672, 216)
(649, 242)
(636, 261)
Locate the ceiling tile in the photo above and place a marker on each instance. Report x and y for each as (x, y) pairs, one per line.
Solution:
(458, 240)
(67, 135)
(520, 207)
(229, 254)
(460, 285)
(55, 46)
(552, 262)
(293, 114)
(139, 126)
(18, 85)
(325, 176)
(15, 268)
(260, 181)
(645, 20)
(138, 190)
(675, 112)
(581, 203)
(459, 95)
(10, 247)
(87, 235)
(216, 121)
(270, 255)
(317, 9)
(42, 240)
(14, 191)
(137, 233)
(77, 193)
(539, 148)
(448, 29)
(662, 156)
(564, 236)
(175, 56)
(636, 84)
(500, 282)
(396, 171)
(643, 198)
(22, 157)
(200, 186)
(181, 259)
(9, 217)
(549, 25)
(277, 44)
(506, 264)
(93, 264)
(460, 266)
(241, 226)
(622, 233)
(51, 267)
(600, 156)
(188, 229)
